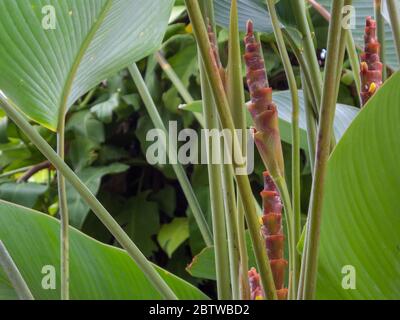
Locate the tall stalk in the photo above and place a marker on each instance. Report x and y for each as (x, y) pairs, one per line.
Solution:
(236, 99)
(216, 197)
(328, 106)
(295, 145)
(14, 275)
(231, 217)
(64, 216)
(394, 9)
(227, 123)
(104, 216)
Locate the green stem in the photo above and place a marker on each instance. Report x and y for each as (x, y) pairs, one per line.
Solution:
(13, 274)
(185, 94)
(231, 217)
(328, 106)
(64, 216)
(225, 117)
(380, 26)
(299, 11)
(87, 98)
(222, 259)
(354, 62)
(236, 99)
(105, 217)
(179, 170)
(310, 118)
(303, 65)
(393, 8)
(224, 255)
(244, 260)
(296, 232)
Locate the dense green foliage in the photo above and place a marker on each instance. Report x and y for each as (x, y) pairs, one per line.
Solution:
(106, 126)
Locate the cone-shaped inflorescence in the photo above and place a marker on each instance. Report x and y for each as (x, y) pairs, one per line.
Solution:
(371, 66)
(262, 109)
(256, 292)
(268, 141)
(273, 233)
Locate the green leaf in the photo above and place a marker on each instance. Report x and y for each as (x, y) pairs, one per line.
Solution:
(104, 110)
(24, 194)
(248, 9)
(45, 70)
(84, 124)
(203, 264)
(361, 221)
(98, 271)
(195, 106)
(83, 152)
(141, 221)
(13, 151)
(166, 198)
(172, 235)
(91, 177)
(176, 13)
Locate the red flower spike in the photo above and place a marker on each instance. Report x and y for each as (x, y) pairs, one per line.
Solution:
(262, 109)
(371, 66)
(272, 233)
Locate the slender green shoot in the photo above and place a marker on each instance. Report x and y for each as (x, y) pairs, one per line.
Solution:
(222, 258)
(64, 216)
(235, 95)
(13, 274)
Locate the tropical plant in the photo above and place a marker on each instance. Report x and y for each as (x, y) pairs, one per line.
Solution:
(94, 93)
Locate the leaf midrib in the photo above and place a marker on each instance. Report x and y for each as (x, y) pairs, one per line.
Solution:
(77, 61)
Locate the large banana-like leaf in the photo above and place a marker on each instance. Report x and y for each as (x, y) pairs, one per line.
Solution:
(361, 215)
(98, 271)
(254, 9)
(257, 11)
(45, 70)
